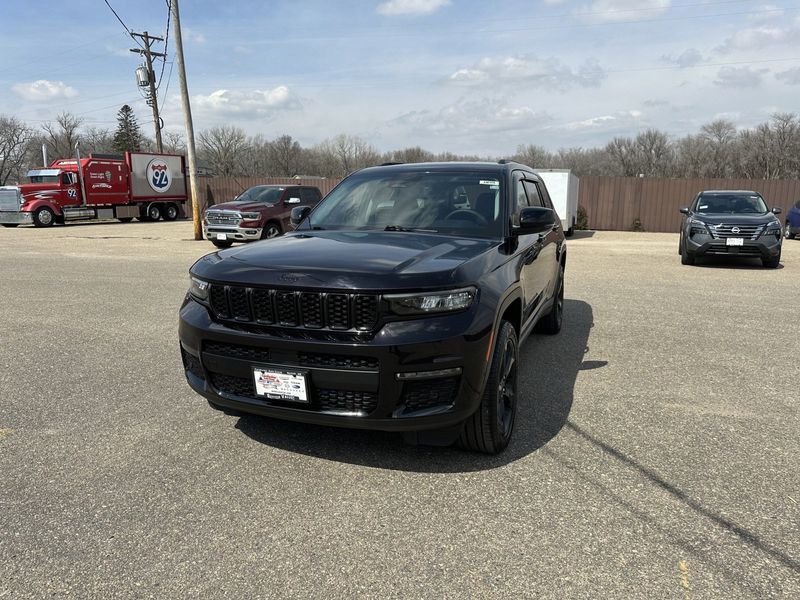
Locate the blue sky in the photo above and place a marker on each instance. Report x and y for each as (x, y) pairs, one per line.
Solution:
(466, 76)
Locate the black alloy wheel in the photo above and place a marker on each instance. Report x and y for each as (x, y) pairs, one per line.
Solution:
(489, 428)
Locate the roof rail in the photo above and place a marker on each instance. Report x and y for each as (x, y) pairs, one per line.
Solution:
(389, 164)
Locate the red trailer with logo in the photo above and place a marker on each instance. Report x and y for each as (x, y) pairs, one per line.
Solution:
(138, 185)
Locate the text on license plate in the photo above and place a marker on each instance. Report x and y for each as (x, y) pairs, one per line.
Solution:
(735, 241)
(288, 386)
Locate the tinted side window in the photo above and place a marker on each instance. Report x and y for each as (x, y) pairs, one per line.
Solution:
(309, 195)
(545, 195)
(521, 196)
(534, 194)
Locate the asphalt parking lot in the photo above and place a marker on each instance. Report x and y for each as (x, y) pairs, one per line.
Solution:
(657, 451)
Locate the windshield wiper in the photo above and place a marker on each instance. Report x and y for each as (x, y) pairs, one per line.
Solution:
(401, 228)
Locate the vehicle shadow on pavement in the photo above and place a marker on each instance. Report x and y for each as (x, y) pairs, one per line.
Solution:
(549, 366)
(725, 262)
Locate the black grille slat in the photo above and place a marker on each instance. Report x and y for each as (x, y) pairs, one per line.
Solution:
(311, 310)
(338, 306)
(219, 301)
(239, 303)
(286, 307)
(192, 364)
(335, 361)
(365, 312)
(262, 306)
(239, 352)
(238, 386)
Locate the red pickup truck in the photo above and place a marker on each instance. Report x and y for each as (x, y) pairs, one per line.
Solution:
(258, 213)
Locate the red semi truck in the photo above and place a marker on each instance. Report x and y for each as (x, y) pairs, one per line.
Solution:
(106, 186)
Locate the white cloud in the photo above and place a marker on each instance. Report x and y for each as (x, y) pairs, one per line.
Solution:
(739, 77)
(256, 103)
(790, 76)
(608, 11)
(467, 116)
(43, 90)
(688, 58)
(191, 35)
(759, 37)
(411, 7)
(624, 120)
(517, 69)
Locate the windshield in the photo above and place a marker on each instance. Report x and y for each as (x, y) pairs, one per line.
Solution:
(731, 203)
(456, 203)
(261, 193)
(44, 178)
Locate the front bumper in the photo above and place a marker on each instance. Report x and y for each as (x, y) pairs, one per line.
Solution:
(350, 383)
(16, 217)
(763, 247)
(232, 234)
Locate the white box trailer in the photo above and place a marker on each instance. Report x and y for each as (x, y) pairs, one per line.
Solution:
(562, 186)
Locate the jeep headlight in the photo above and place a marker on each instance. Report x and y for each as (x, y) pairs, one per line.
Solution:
(198, 288)
(431, 302)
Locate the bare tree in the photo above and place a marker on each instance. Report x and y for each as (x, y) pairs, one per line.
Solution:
(15, 137)
(720, 135)
(222, 148)
(534, 156)
(653, 153)
(285, 155)
(344, 154)
(174, 142)
(622, 152)
(98, 140)
(409, 155)
(62, 135)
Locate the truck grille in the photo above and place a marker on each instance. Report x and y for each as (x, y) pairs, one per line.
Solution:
(309, 310)
(748, 232)
(301, 359)
(223, 217)
(9, 199)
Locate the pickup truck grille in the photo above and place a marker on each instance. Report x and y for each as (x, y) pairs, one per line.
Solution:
(9, 199)
(748, 232)
(223, 217)
(308, 310)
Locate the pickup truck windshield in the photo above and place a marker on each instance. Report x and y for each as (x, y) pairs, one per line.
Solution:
(455, 203)
(735, 204)
(260, 193)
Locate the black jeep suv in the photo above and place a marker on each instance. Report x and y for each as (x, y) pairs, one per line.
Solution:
(730, 223)
(397, 304)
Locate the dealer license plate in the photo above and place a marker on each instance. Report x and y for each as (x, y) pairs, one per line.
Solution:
(289, 386)
(222, 236)
(735, 241)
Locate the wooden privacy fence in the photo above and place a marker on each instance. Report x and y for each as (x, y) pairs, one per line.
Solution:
(613, 203)
(617, 202)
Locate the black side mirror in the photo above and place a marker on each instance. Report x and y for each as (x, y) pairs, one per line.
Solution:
(684, 210)
(535, 219)
(298, 214)
(777, 211)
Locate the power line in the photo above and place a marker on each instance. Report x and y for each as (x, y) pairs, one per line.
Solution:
(166, 49)
(128, 30)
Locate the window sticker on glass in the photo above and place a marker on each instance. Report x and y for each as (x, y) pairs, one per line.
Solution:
(703, 207)
(489, 182)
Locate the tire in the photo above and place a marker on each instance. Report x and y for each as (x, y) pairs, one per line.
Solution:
(124, 219)
(771, 263)
(680, 245)
(550, 324)
(170, 212)
(224, 409)
(489, 428)
(44, 217)
(10, 224)
(153, 212)
(271, 230)
(570, 232)
(220, 244)
(686, 258)
(788, 234)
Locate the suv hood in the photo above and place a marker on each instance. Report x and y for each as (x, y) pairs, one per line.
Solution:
(740, 219)
(362, 260)
(241, 205)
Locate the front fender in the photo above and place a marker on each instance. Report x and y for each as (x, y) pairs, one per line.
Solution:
(36, 204)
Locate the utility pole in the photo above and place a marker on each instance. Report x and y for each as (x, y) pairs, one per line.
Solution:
(152, 99)
(187, 117)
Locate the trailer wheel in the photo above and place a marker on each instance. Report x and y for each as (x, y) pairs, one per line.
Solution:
(153, 212)
(170, 212)
(44, 217)
(124, 219)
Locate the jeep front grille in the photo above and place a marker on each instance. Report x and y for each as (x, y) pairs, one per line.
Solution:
(307, 310)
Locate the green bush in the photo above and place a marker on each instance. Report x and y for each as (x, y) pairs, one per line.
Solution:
(582, 223)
